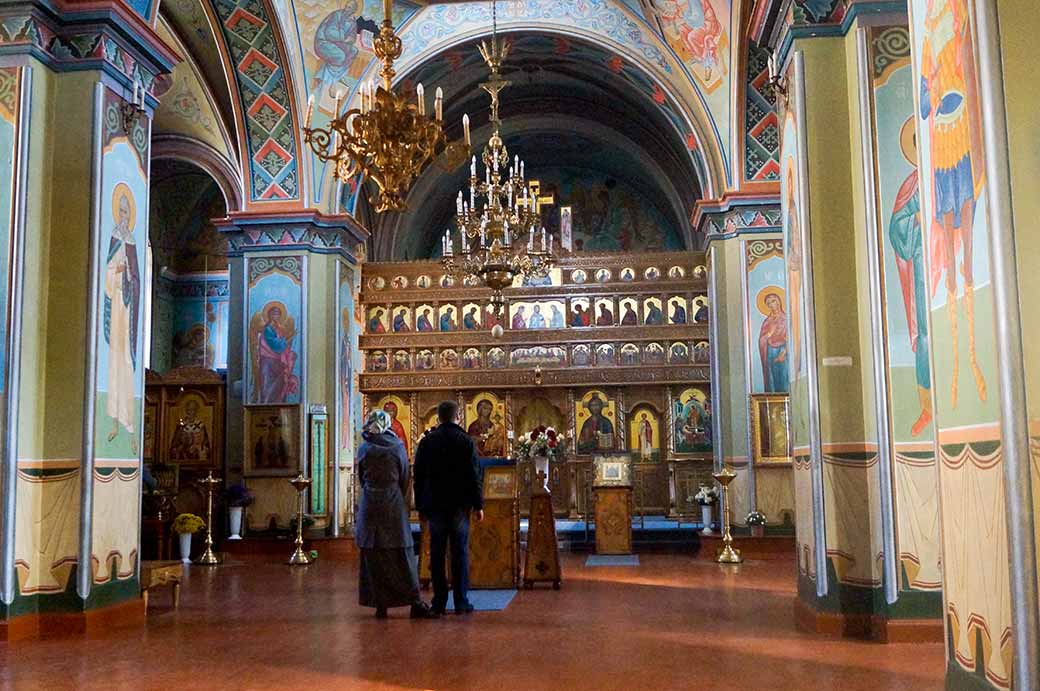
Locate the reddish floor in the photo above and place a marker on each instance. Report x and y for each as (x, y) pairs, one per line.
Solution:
(672, 623)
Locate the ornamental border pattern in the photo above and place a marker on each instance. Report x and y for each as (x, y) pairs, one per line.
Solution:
(90, 46)
(261, 79)
(761, 131)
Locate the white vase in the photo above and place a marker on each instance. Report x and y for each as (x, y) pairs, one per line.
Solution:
(235, 518)
(706, 519)
(185, 539)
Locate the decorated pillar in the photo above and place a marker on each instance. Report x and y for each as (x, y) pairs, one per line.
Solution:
(75, 113)
(978, 209)
(745, 261)
(295, 279)
(865, 483)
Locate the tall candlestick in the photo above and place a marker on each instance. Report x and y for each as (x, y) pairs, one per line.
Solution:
(420, 94)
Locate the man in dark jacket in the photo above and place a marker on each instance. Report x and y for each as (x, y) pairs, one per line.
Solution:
(447, 489)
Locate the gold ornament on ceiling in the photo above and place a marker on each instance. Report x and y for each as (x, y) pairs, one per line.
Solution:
(388, 139)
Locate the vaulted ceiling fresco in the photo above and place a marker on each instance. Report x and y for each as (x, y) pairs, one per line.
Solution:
(572, 106)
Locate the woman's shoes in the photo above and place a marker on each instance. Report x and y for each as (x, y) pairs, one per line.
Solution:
(421, 611)
(380, 612)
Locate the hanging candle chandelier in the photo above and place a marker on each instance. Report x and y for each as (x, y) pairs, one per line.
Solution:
(389, 138)
(498, 219)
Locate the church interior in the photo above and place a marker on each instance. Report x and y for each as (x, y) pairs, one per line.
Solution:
(729, 295)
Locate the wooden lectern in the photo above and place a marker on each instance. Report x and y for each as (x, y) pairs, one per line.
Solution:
(494, 543)
(542, 563)
(612, 490)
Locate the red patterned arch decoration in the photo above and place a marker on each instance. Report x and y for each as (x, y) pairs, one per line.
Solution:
(256, 57)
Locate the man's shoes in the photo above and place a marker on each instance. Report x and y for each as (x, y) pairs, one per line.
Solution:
(421, 611)
(466, 608)
(380, 612)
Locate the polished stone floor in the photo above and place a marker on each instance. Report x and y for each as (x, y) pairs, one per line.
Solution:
(673, 622)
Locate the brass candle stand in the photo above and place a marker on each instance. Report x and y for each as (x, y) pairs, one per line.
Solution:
(208, 484)
(299, 557)
(727, 555)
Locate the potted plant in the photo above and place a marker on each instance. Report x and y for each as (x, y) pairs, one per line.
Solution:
(541, 445)
(238, 497)
(756, 520)
(186, 525)
(707, 497)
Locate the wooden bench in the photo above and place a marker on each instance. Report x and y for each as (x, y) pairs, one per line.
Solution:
(160, 573)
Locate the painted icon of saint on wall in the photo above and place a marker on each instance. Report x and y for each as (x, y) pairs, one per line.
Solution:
(595, 416)
(487, 426)
(692, 420)
(907, 239)
(397, 411)
(772, 340)
(271, 335)
(191, 440)
(122, 301)
(950, 108)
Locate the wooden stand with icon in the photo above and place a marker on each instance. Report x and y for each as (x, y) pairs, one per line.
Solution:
(612, 490)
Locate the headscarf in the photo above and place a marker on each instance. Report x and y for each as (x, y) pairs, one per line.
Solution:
(378, 422)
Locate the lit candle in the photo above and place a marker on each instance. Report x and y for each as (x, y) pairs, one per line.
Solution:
(465, 128)
(487, 177)
(420, 94)
(473, 168)
(543, 238)
(521, 170)
(509, 190)
(458, 204)
(310, 112)
(530, 240)
(438, 104)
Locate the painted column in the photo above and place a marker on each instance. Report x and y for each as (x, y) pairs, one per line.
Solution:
(294, 285)
(974, 133)
(736, 231)
(76, 233)
(837, 467)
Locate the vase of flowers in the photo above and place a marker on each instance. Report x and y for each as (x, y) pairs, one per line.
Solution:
(238, 497)
(541, 445)
(707, 497)
(756, 521)
(186, 525)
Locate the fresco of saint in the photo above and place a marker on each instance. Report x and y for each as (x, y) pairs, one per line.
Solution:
(122, 300)
(904, 232)
(950, 108)
(772, 341)
(272, 333)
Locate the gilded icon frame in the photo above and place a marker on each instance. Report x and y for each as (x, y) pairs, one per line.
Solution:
(771, 422)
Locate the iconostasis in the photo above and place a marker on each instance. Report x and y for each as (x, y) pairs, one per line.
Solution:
(611, 351)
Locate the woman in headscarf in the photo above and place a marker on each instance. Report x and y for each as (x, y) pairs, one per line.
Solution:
(389, 576)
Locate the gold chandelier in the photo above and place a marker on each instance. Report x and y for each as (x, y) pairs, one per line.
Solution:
(388, 139)
(502, 238)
